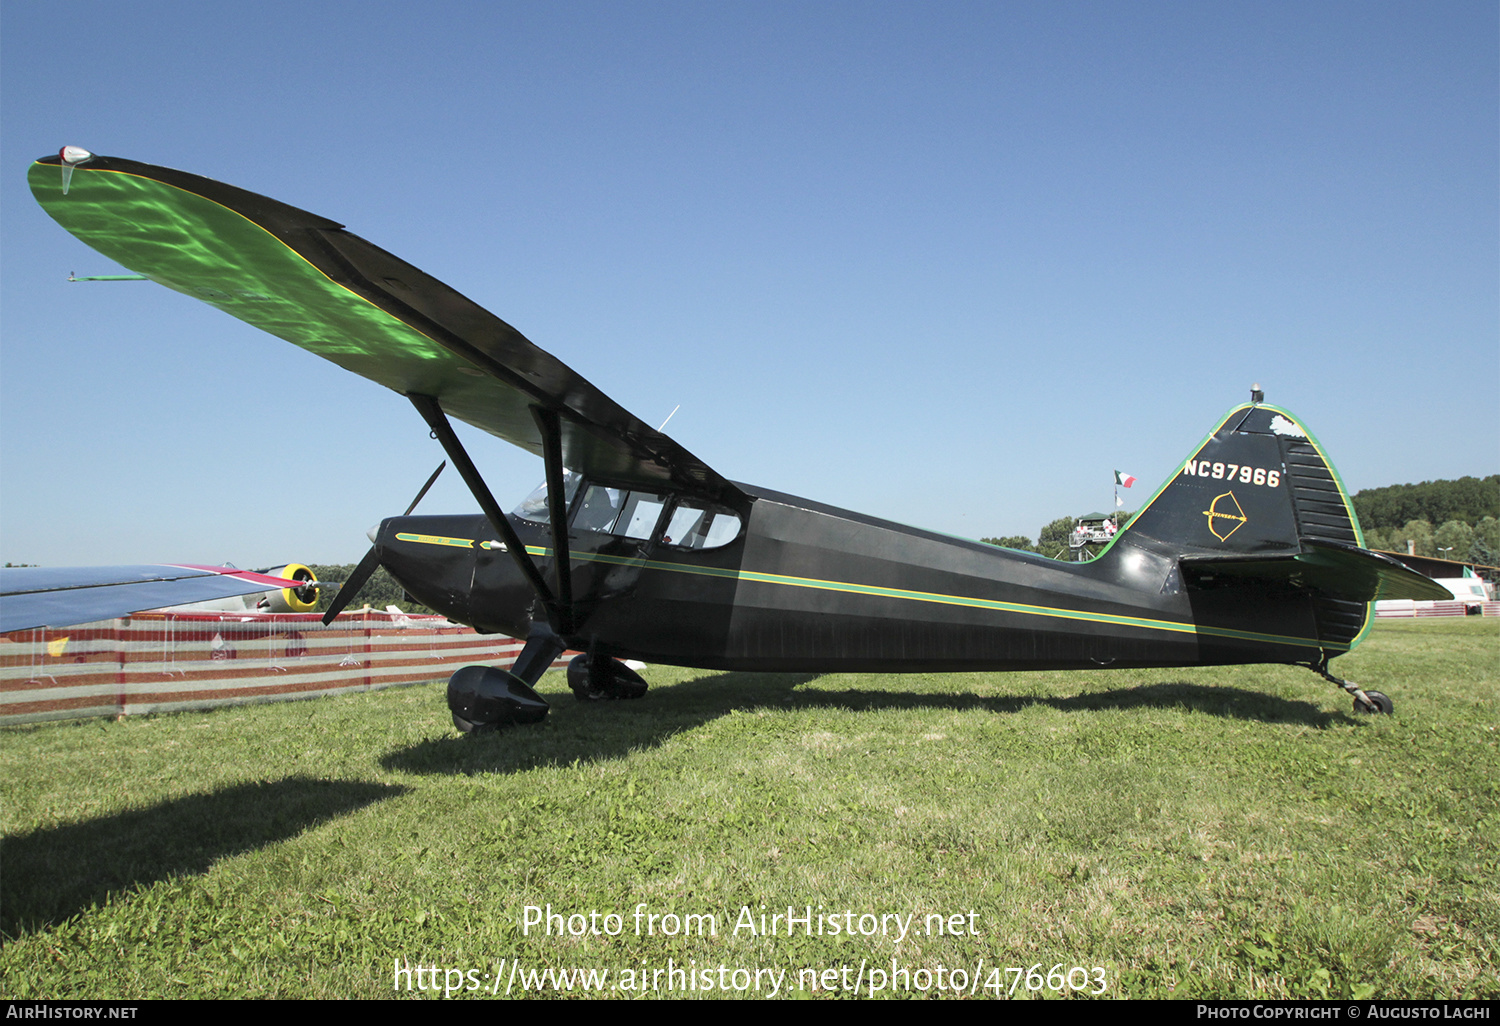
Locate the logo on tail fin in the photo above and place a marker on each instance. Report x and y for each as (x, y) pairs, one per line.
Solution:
(1231, 517)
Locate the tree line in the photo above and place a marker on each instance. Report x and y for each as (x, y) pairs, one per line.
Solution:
(1467, 500)
(380, 590)
(1466, 512)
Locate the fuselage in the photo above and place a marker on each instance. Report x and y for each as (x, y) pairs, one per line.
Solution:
(803, 586)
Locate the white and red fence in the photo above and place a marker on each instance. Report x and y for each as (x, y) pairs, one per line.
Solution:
(1406, 607)
(155, 662)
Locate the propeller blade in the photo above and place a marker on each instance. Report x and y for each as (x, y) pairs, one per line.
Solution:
(367, 566)
(351, 587)
(426, 486)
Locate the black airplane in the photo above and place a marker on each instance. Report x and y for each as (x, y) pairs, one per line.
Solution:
(635, 549)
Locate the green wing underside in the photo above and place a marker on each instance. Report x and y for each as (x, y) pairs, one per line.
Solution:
(305, 279)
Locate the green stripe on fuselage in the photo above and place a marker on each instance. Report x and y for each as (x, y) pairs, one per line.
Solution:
(435, 539)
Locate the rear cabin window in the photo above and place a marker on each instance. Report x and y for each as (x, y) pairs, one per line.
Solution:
(695, 525)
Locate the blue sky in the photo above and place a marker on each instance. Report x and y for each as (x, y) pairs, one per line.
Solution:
(950, 264)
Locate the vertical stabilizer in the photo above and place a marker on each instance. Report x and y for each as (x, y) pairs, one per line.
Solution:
(1258, 488)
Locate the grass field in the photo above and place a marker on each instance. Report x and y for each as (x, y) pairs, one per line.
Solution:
(1225, 832)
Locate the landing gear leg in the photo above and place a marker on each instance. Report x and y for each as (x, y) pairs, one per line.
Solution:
(541, 648)
(1364, 701)
(598, 677)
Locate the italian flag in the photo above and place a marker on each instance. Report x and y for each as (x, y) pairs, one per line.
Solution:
(1124, 479)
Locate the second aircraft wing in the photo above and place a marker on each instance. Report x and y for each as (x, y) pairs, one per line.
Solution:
(63, 596)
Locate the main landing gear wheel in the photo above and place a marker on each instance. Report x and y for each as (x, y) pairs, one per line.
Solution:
(1378, 703)
(482, 698)
(596, 679)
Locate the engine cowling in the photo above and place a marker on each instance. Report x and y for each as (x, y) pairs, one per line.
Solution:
(302, 599)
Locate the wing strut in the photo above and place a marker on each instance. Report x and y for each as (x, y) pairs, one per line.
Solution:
(557, 508)
(431, 412)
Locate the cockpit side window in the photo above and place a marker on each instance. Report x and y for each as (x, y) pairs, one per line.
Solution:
(642, 511)
(600, 509)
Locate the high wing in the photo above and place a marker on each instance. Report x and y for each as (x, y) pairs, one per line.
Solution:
(305, 279)
(62, 596)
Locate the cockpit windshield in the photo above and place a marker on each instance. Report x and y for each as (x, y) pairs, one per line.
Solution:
(534, 507)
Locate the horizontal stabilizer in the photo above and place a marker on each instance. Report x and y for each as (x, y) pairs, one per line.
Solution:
(1338, 571)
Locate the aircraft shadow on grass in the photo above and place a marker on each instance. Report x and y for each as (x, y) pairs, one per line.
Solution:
(54, 873)
(690, 704)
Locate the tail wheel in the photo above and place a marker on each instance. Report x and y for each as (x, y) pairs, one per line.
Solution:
(1378, 704)
(1372, 702)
